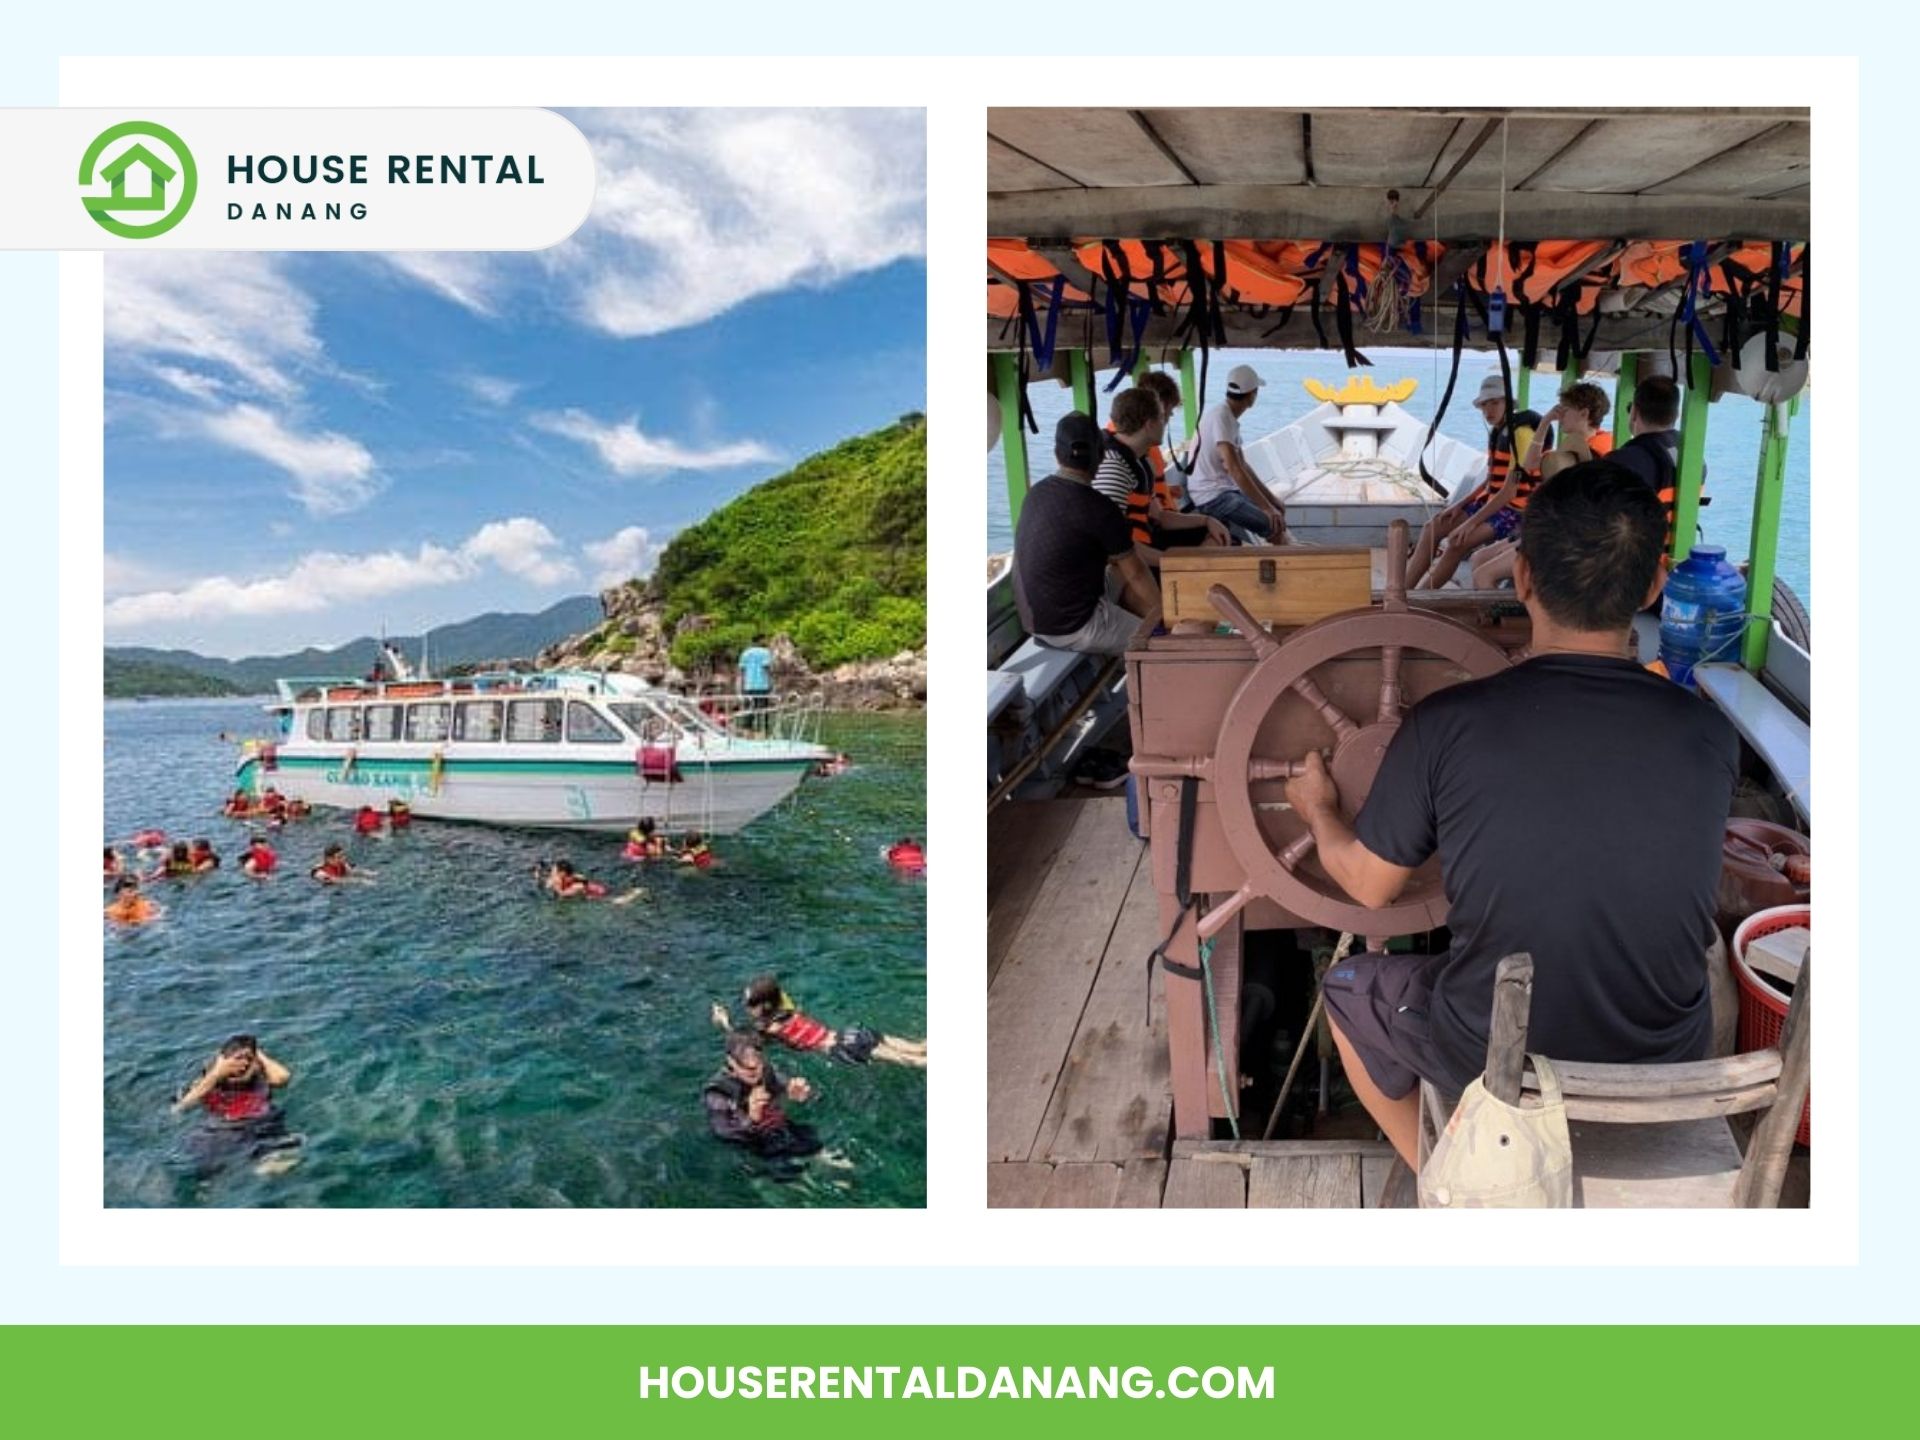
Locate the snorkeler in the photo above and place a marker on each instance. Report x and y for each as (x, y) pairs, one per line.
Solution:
(745, 1102)
(908, 855)
(776, 1017)
(177, 866)
(399, 814)
(236, 1091)
(260, 858)
(695, 851)
(335, 869)
(203, 857)
(563, 882)
(129, 906)
(645, 842)
(366, 821)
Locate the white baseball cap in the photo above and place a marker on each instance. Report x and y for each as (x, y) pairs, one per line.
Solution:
(1241, 380)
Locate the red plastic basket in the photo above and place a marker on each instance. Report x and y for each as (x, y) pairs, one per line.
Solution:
(1763, 1009)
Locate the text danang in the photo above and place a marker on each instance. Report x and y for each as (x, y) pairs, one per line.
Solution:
(401, 169)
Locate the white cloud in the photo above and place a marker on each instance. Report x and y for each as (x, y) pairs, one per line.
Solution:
(697, 211)
(626, 450)
(332, 473)
(628, 554)
(465, 279)
(123, 574)
(211, 317)
(520, 547)
(492, 390)
(190, 382)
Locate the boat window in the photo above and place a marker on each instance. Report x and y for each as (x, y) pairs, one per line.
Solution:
(427, 722)
(383, 722)
(649, 724)
(477, 720)
(588, 726)
(343, 722)
(316, 724)
(533, 720)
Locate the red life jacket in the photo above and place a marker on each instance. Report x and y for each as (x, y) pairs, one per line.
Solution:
(263, 858)
(802, 1032)
(246, 1103)
(334, 869)
(366, 821)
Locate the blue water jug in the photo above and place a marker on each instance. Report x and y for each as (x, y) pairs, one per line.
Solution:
(1703, 613)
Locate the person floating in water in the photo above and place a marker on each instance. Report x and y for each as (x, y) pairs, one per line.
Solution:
(260, 858)
(746, 1102)
(129, 906)
(836, 764)
(645, 842)
(239, 805)
(399, 815)
(149, 844)
(178, 864)
(366, 821)
(335, 869)
(112, 866)
(775, 1017)
(695, 851)
(205, 861)
(907, 854)
(560, 880)
(236, 1092)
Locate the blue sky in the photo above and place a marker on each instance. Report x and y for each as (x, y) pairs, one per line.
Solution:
(304, 448)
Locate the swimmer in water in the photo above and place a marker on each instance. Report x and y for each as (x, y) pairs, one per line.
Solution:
(908, 855)
(260, 857)
(112, 866)
(776, 1018)
(563, 882)
(746, 1102)
(695, 851)
(204, 860)
(645, 842)
(177, 866)
(335, 869)
(236, 1092)
(399, 815)
(366, 821)
(129, 906)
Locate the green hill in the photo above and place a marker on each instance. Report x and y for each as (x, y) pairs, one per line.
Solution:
(833, 553)
(131, 679)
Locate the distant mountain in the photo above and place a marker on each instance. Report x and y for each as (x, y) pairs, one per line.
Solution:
(138, 679)
(494, 636)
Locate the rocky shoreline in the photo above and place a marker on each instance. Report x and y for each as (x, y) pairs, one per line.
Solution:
(635, 640)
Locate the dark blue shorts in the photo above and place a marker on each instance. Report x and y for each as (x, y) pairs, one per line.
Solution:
(1380, 1004)
(1504, 523)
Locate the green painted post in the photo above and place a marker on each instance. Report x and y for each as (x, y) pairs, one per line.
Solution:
(1189, 395)
(1143, 364)
(1623, 397)
(1082, 374)
(1013, 435)
(1524, 389)
(1693, 458)
(1764, 548)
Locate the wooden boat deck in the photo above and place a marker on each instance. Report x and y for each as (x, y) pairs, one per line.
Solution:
(1079, 1110)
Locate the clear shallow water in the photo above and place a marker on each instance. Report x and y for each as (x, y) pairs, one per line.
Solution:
(1733, 438)
(456, 1040)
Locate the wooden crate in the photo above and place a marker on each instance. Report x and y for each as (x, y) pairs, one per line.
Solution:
(1281, 585)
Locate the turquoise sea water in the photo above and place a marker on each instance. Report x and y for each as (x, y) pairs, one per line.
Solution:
(1733, 438)
(457, 1040)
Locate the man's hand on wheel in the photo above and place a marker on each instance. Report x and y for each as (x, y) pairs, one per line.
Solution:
(1313, 792)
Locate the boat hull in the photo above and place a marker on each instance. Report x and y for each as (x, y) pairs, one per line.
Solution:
(719, 798)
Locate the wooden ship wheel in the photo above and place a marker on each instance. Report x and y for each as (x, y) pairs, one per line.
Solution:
(1287, 875)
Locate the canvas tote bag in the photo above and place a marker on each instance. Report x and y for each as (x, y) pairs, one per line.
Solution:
(1497, 1156)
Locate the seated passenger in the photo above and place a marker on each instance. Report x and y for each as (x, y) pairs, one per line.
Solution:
(1066, 538)
(129, 906)
(745, 1103)
(1223, 485)
(1494, 510)
(776, 1017)
(1653, 452)
(1137, 425)
(1578, 437)
(1593, 844)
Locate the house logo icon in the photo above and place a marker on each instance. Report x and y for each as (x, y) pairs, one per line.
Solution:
(150, 178)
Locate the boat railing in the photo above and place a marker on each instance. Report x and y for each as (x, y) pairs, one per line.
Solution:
(793, 716)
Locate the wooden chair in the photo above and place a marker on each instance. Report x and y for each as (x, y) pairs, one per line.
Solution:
(1653, 1136)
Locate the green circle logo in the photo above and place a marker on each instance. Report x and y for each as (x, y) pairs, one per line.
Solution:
(140, 178)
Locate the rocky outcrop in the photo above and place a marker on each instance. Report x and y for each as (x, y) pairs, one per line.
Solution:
(635, 639)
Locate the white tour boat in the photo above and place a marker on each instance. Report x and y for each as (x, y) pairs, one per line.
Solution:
(576, 750)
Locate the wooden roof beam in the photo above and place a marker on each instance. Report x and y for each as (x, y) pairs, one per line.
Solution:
(1153, 136)
(1473, 149)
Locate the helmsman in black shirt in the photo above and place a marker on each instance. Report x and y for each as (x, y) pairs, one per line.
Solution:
(1578, 804)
